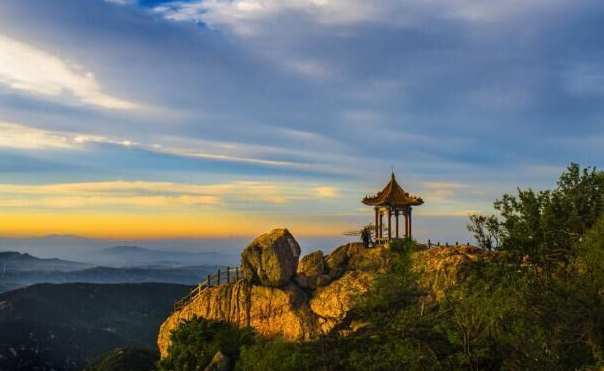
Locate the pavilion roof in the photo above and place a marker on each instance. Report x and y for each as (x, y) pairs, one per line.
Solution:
(392, 195)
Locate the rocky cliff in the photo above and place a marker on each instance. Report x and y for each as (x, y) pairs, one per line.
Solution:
(301, 299)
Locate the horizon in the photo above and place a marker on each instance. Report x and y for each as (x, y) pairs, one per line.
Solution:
(176, 120)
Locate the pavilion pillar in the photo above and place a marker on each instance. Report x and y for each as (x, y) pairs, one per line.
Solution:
(410, 234)
(406, 223)
(377, 224)
(396, 222)
(389, 223)
(381, 225)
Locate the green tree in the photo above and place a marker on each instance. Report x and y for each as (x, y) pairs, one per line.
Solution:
(486, 229)
(194, 343)
(542, 227)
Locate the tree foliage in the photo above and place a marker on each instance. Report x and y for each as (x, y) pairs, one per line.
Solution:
(195, 342)
(486, 229)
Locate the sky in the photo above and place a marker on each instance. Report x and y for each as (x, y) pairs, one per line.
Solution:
(151, 119)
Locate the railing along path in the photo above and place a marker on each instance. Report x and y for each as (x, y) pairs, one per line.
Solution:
(230, 275)
(430, 244)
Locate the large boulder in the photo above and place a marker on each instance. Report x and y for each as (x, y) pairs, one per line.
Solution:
(271, 259)
(353, 256)
(310, 268)
(337, 262)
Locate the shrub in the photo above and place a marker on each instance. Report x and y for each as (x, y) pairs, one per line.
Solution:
(194, 343)
(277, 355)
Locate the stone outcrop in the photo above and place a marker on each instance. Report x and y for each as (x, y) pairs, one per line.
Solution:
(275, 302)
(310, 271)
(271, 259)
(443, 267)
(300, 301)
(333, 302)
(271, 311)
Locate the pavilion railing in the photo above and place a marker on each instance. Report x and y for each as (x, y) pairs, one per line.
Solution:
(220, 277)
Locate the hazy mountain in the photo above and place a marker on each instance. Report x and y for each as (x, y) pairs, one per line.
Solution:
(135, 255)
(78, 248)
(15, 261)
(64, 327)
(181, 275)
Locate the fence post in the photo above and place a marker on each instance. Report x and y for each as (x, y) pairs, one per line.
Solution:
(429, 244)
(438, 244)
(456, 243)
(468, 244)
(446, 244)
(236, 273)
(209, 280)
(218, 277)
(228, 274)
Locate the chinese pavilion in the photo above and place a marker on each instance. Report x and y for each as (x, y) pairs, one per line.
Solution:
(392, 200)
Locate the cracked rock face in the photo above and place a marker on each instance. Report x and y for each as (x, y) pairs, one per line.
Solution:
(271, 311)
(271, 259)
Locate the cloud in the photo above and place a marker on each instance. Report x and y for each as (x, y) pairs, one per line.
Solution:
(246, 17)
(24, 137)
(166, 195)
(28, 69)
(437, 185)
(20, 136)
(121, 2)
(327, 192)
(241, 14)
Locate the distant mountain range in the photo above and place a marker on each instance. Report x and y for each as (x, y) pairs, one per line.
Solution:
(15, 261)
(140, 265)
(77, 248)
(135, 255)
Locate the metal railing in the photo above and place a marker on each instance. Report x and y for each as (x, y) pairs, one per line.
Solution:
(230, 275)
(430, 244)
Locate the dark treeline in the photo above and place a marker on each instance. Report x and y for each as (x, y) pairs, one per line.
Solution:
(538, 306)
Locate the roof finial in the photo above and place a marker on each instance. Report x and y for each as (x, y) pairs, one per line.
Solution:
(392, 171)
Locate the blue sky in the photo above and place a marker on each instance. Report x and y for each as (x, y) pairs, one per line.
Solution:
(229, 117)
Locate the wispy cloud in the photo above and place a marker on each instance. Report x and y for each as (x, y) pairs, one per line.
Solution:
(245, 17)
(30, 138)
(34, 71)
(25, 137)
(242, 14)
(146, 194)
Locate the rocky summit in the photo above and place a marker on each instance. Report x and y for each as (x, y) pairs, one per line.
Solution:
(300, 299)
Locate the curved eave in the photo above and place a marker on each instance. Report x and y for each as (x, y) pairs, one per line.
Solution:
(411, 202)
